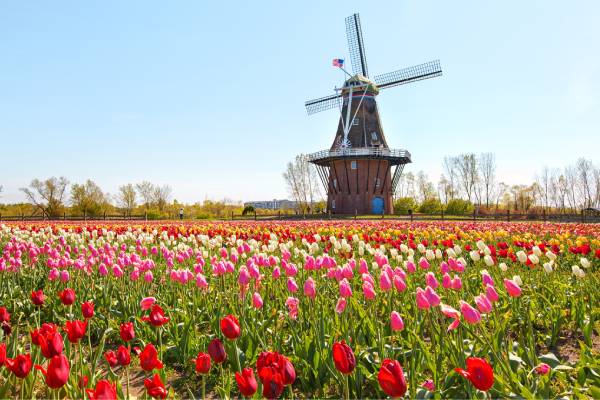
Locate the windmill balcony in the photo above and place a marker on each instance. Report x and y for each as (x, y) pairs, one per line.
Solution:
(394, 156)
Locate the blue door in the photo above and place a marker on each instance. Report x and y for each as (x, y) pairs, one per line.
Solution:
(377, 205)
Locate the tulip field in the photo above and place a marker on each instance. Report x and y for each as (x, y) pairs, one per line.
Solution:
(319, 309)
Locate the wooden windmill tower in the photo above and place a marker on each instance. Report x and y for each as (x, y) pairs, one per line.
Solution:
(357, 170)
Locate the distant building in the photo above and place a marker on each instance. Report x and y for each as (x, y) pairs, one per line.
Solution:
(272, 204)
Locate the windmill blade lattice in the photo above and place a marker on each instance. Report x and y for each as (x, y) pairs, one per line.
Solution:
(356, 45)
(323, 103)
(419, 72)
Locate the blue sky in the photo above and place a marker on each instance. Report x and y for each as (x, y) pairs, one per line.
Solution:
(209, 96)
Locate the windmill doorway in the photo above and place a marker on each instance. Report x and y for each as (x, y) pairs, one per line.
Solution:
(377, 205)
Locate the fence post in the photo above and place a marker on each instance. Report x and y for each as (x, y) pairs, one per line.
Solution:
(22, 217)
(279, 214)
(355, 213)
(508, 215)
(329, 212)
(544, 214)
(146, 215)
(232, 215)
(583, 216)
(105, 215)
(474, 213)
(442, 215)
(411, 215)
(255, 215)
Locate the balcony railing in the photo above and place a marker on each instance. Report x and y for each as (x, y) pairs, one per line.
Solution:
(359, 152)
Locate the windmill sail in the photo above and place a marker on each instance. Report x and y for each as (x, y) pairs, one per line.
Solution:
(419, 72)
(356, 45)
(323, 103)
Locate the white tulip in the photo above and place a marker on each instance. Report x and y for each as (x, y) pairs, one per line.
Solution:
(429, 254)
(474, 255)
(522, 256)
(457, 249)
(551, 255)
(534, 259)
(489, 261)
(480, 245)
(536, 250)
(438, 254)
(503, 267)
(517, 279)
(585, 263)
(451, 253)
(548, 267)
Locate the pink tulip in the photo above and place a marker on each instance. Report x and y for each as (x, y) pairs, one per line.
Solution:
(431, 281)
(102, 270)
(341, 305)
(292, 286)
(292, 304)
(276, 272)
(429, 385)
(385, 282)
(422, 301)
(363, 267)
(64, 275)
(449, 311)
(399, 284)
(244, 276)
(201, 281)
(147, 303)
(491, 294)
(470, 314)
(456, 283)
(410, 267)
(368, 290)
(396, 321)
(423, 263)
(453, 325)
(542, 369)
(487, 279)
(53, 274)
(483, 304)
(309, 288)
(148, 276)
(345, 289)
(432, 297)
(446, 281)
(257, 301)
(444, 268)
(512, 288)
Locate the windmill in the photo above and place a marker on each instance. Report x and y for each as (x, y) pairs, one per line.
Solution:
(356, 171)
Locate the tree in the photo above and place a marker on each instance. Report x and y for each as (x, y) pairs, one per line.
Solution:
(88, 198)
(403, 205)
(301, 179)
(466, 165)
(146, 191)
(425, 189)
(487, 172)
(47, 195)
(449, 165)
(126, 198)
(161, 196)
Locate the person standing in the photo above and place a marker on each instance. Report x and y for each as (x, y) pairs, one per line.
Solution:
(181, 213)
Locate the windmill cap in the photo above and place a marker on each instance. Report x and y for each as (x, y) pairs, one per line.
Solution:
(360, 80)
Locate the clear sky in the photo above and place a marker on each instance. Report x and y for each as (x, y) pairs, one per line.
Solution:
(208, 96)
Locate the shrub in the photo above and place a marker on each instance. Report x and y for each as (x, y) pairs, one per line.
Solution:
(403, 204)
(459, 207)
(430, 206)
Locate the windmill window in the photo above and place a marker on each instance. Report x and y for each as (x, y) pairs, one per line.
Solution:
(373, 135)
(378, 182)
(333, 204)
(353, 164)
(335, 183)
(356, 121)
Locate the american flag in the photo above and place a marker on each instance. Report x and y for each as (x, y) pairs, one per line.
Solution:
(338, 62)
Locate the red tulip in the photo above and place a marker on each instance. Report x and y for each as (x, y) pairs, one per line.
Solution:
(202, 363)
(217, 351)
(275, 371)
(123, 356)
(83, 381)
(51, 345)
(155, 387)
(4, 315)
(45, 330)
(127, 332)
(391, 378)
(149, 358)
(111, 358)
(156, 316)
(87, 309)
(67, 296)
(58, 371)
(2, 353)
(343, 357)
(230, 327)
(75, 330)
(20, 365)
(37, 297)
(479, 372)
(104, 391)
(246, 382)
